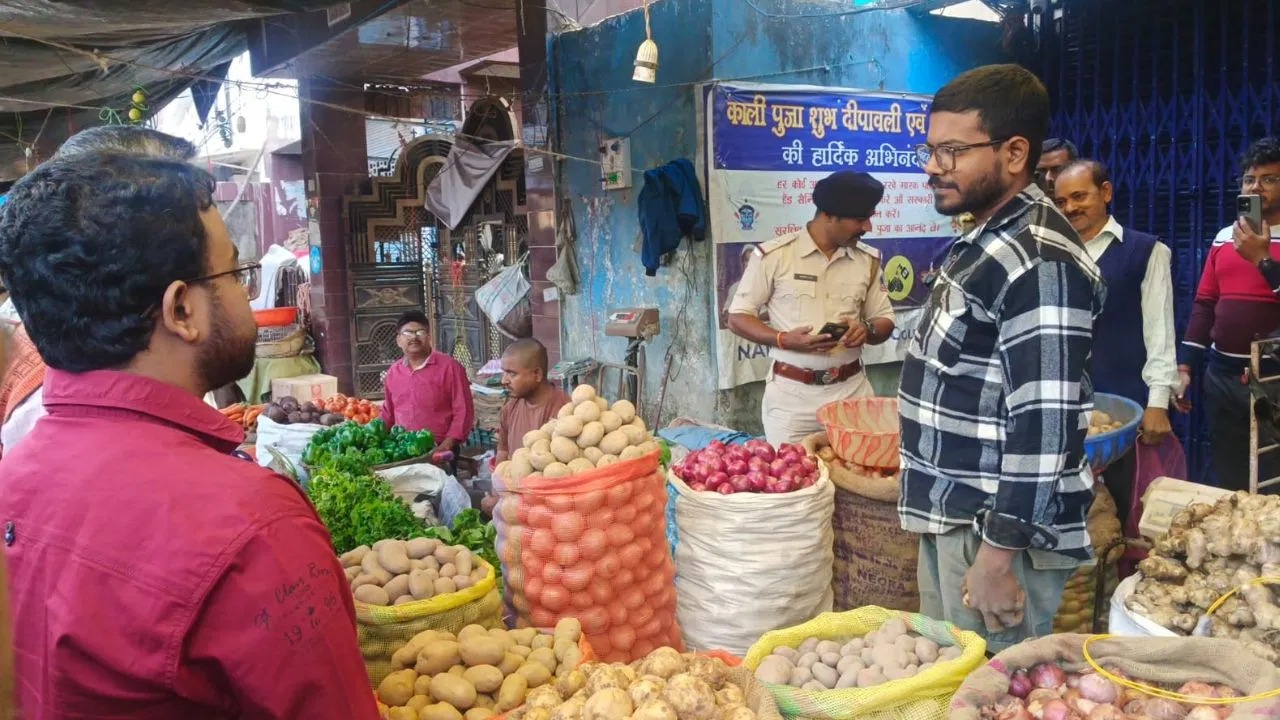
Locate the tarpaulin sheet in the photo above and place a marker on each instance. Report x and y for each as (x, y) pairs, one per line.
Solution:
(93, 55)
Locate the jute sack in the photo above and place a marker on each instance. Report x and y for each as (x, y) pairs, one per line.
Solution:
(383, 629)
(1153, 661)
(875, 559)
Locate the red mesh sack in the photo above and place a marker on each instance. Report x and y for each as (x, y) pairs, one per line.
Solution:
(592, 546)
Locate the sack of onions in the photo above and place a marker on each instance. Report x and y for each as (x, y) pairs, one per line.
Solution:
(1125, 679)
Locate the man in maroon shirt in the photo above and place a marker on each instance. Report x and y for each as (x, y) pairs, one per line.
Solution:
(153, 574)
(1236, 304)
(427, 390)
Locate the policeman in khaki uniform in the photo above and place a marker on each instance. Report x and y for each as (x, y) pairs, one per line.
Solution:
(806, 280)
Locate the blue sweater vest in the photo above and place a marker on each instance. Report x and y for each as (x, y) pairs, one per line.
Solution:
(1119, 351)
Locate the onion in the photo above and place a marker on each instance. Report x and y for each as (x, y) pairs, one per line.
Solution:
(1202, 712)
(1042, 696)
(761, 449)
(779, 466)
(1055, 710)
(756, 481)
(1225, 691)
(1019, 684)
(808, 465)
(697, 487)
(735, 466)
(716, 446)
(1195, 688)
(758, 463)
(740, 483)
(715, 480)
(1097, 689)
(725, 489)
(1048, 675)
(784, 486)
(1106, 711)
(1162, 709)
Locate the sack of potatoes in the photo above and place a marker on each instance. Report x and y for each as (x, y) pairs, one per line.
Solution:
(394, 572)
(588, 433)
(477, 674)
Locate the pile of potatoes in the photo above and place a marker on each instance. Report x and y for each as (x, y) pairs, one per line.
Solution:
(394, 572)
(587, 434)
(889, 653)
(663, 685)
(1101, 422)
(477, 674)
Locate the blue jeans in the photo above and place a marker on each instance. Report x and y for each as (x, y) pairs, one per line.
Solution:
(944, 560)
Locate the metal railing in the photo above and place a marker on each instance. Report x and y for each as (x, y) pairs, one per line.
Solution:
(1269, 348)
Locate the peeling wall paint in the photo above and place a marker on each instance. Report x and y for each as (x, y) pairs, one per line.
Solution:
(700, 40)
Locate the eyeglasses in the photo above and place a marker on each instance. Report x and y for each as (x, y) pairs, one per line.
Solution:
(413, 333)
(946, 154)
(248, 274)
(1263, 181)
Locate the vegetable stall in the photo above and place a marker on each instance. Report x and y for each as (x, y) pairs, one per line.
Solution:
(625, 576)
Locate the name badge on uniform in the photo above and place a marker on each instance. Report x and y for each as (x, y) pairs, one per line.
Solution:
(810, 278)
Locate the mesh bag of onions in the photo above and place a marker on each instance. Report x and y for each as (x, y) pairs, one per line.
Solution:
(1049, 679)
(591, 546)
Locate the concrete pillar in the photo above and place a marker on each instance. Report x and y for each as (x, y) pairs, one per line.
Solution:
(335, 164)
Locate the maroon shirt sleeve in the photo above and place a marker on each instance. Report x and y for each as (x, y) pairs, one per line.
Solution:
(388, 407)
(1200, 326)
(464, 415)
(277, 632)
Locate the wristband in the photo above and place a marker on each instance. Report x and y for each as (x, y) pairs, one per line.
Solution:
(778, 340)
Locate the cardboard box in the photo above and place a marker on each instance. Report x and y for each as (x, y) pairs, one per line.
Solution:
(305, 387)
(1166, 497)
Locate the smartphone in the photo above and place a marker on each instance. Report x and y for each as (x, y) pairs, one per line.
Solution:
(1249, 207)
(835, 331)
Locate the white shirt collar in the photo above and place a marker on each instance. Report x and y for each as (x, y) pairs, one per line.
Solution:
(1113, 227)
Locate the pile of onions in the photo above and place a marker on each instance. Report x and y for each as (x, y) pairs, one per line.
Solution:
(754, 467)
(1047, 692)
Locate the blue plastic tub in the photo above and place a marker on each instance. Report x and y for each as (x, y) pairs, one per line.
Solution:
(1105, 448)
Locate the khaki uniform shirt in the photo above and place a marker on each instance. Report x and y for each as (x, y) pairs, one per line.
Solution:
(800, 286)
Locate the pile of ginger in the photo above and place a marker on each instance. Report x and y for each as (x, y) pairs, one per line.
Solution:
(1209, 551)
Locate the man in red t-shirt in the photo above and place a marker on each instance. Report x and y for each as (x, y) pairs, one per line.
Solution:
(1237, 303)
(427, 389)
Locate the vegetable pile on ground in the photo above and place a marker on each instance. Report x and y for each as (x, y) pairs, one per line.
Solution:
(664, 685)
(246, 416)
(1047, 692)
(754, 467)
(1211, 550)
(588, 434)
(371, 444)
(289, 411)
(358, 507)
(472, 532)
(478, 673)
(888, 653)
(354, 409)
(394, 572)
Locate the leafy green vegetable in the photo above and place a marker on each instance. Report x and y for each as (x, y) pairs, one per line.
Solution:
(359, 507)
(370, 444)
(664, 458)
(471, 531)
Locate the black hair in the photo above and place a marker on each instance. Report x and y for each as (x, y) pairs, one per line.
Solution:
(412, 316)
(532, 351)
(1262, 152)
(1056, 144)
(1098, 171)
(88, 245)
(1009, 99)
(128, 140)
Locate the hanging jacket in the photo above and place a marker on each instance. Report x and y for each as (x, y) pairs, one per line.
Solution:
(671, 207)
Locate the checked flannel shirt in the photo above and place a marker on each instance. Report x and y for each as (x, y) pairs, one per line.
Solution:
(995, 396)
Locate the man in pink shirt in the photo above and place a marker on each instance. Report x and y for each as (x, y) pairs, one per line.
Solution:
(153, 574)
(427, 390)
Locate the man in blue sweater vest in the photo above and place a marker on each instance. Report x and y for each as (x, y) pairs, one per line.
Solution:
(1139, 304)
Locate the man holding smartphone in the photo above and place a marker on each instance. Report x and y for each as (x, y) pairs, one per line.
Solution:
(1235, 304)
(825, 298)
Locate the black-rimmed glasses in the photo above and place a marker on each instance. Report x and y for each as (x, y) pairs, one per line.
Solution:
(946, 154)
(248, 274)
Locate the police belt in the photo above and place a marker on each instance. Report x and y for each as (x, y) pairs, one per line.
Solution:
(830, 376)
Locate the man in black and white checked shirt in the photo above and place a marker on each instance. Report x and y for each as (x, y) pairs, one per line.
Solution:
(995, 396)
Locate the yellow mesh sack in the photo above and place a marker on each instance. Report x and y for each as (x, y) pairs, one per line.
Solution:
(923, 697)
(383, 629)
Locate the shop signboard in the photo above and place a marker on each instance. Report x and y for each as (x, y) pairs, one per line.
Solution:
(768, 145)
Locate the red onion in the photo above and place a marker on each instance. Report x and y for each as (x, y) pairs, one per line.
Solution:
(1047, 675)
(697, 486)
(757, 480)
(735, 466)
(1195, 688)
(761, 449)
(1098, 689)
(1019, 684)
(725, 489)
(1202, 712)
(716, 446)
(758, 464)
(808, 465)
(784, 486)
(1073, 680)
(715, 480)
(1055, 710)
(1106, 712)
(1162, 709)
(1042, 696)
(740, 483)
(779, 466)
(1225, 691)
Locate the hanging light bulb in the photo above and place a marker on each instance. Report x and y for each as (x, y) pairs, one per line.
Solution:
(647, 56)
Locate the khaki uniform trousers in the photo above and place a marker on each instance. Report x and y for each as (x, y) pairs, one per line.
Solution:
(790, 409)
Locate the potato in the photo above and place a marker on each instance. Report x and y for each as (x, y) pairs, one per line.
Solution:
(519, 469)
(800, 676)
(592, 434)
(737, 712)
(512, 660)
(564, 450)
(711, 670)
(437, 656)
(353, 557)
(453, 689)
(587, 412)
(731, 694)
(650, 446)
(825, 674)
(555, 470)
(523, 636)
(663, 662)
(926, 650)
(480, 649)
(610, 421)
(397, 688)
(870, 677)
(398, 586)
(444, 586)
(372, 595)
(402, 713)
(533, 436)
(625, 410)
(631, 452)
(604, 678)
(464, 562)
(787, 652)
(485, 678)
(484, 700)
(593, 454)
(691, 697)
(570, 710)
(608, 704)
(421, 584)
(582, 393)
(535, 673)
(847, 663)
(774, 669)
(647, 688)
(422, 686)
(479, 713)
(569, 629)
(540, 459)
(614, 443)
(545, 656)
(353, 572)
(635, 434)
(607, 460)
(417, 702)
(571, 682)
(394, 557)
(371, 566)
(449, 570)
(511, 694)
(544, 696)
(826, 646)
(577, 466)
(568, 427)
(439, 711)
(502, 469)
(363, 578)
